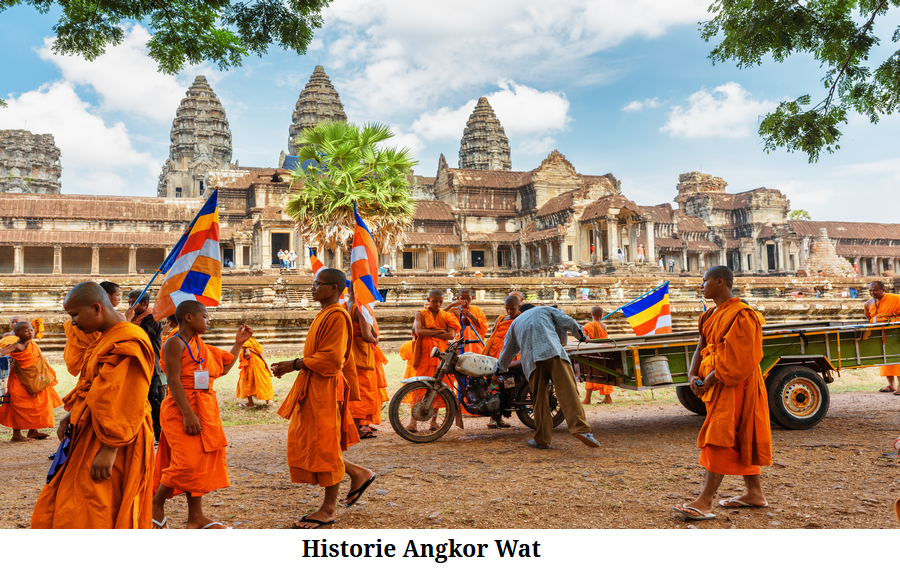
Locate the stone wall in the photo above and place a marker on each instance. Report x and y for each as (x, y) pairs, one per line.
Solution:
(29, 163)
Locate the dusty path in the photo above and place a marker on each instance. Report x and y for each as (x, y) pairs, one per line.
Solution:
(842, 474)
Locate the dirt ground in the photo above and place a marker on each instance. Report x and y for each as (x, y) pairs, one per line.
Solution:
(841, 474)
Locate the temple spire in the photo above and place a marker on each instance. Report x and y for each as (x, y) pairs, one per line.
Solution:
(319, 101)
(484, 145)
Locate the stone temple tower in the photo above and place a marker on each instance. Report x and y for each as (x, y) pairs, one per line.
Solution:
(484, 145)
(319, 101)
(201, 141)
(29, 163)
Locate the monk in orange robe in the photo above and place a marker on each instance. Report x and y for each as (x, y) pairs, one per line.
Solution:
(380, 360)
(596, 329)
(736, 438)
(27, 411)
(77, 341)
(255, 379)
(12, 325)
(191, 454)
(477, 320)
(106, 479)
(494, 344)
(884, 307)
(406, 354)
(364, 410)
(321, 428)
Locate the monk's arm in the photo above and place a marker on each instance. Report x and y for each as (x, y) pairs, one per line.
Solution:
(17, 347)
(243, 335)
(172, 351)
(328, 359)
(420, 330)
(365, 329)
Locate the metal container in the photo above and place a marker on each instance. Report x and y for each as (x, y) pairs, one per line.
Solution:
(655, 371)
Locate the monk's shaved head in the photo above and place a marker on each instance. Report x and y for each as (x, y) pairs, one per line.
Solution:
(21, 326)
(188, 308)
(435, 292)
(596, 312)
(512, 300)
(333, 276)
(466, 291)
(110, 287)
(15, 319)
(86, 294)
(720, 272)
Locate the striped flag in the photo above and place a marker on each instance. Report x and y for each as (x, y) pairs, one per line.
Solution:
(316, 264)
(193, 270)
(650, 314)
(364, 270)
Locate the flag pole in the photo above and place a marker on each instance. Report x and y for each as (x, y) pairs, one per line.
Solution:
(634, 300)
(172, 252)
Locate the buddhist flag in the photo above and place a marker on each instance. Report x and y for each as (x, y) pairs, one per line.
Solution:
(193, 270)
(316, 264)
(364, 270)
(650, 313)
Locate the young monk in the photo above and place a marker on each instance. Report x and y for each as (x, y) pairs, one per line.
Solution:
(77, 341)
(406, 354)
(364, 342)
(11, 335)
(433, 328)
(381, 360)
(735, 438)
(494, 344)
(321, 428)
(27, 411)
(463, 307)
(106, 479)
(255, 379)
(884, 307)
(113, 291)
(191, 455)
(596, 329)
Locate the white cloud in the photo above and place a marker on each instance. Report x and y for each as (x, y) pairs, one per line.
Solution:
(727, 111)
(635, 106)
(96, 158)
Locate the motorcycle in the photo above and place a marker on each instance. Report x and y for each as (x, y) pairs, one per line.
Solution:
(425, 408)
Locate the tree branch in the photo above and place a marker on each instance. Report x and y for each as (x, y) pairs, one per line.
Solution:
(864, 30)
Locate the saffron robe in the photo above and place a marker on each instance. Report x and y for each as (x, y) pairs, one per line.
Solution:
(494, 344)
(406, 354)
(885, 311)
(736, 437)
(480, 325)
(594, 330)
(26, 410)
(193, 464)
(422, 361)
(76, 345)
(320, 427)
(255, 379)
(369, 404)
(109, 407)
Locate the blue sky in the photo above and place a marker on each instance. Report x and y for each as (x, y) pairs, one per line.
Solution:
(620, 87)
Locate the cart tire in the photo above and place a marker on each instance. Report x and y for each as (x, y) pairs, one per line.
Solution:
(526, 412)
(690, 400)
(798, 397)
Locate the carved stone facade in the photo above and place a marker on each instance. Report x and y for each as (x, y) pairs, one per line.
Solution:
(484, 145)
(823, 257)
(29, 163)
(319, 101)
(201, 141)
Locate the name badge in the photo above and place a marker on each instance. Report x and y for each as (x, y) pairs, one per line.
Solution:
(201, 380)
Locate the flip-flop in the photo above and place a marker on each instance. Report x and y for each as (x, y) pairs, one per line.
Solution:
(886, 389)
(314, 521)
(161, 525)
(204, 527)
(39, 436)
(740, 504)
(412, 430)
(358, 492)
(366, 435)
(246, 405)
(700, 516)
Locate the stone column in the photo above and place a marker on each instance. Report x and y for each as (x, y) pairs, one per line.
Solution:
(804, 250)
(632, 243)
(876, 270)
(57, 259)
(95, 260)
(464, 254)
(612, 233)
(18, 259)
(513, 257)
(394, 258)
(779, 247)
(339, 257)
(595, 243)
(429, 258)
(684, 258)
(650, 246)
(132, 260)
(494, 255)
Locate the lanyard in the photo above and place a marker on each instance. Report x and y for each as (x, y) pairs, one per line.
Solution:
(191, 354)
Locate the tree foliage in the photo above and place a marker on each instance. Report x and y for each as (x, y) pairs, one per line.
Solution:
(184, 31)
(346, 163)
(839, 34)
(799, 215)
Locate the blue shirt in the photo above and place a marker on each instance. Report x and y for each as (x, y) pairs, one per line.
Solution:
(538, 334)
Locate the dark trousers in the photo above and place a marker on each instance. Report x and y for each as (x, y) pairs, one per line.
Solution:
(153, 398)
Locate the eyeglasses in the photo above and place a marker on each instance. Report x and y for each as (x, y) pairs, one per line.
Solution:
(319, 284)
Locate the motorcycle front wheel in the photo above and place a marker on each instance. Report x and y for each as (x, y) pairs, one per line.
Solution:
(525, 410)
(414, 420)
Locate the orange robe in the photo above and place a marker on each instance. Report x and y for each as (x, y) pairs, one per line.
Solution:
(369, 403)
(380, 361)
(320, 427)
(887, 310)
(480, 325)
(494, 344)
(109, 407)
(193, 464)
(736, 437)
(594, 330)
(76, 345)
(422, 361)
(255, 379)
(406, 353)
(26, 410)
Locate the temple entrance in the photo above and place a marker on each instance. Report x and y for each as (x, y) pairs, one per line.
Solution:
(770, 255)
(228, 255)
(477, 259)
(279, 241)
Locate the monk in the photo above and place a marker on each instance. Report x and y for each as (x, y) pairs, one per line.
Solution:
(255, 379)
(381, 360)
(364, 410)
(494, 345)
(433, 328)
(113, 291)
(12, 325)
(321, 428)
(191, 455)
(77, 341)
(406, 354)
(105, 481)
(463, 307)
(27, 411)
(170, 328)
(736, 438)
(884, 307)
(596, 329)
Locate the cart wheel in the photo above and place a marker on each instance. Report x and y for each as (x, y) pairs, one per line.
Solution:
(690, 400)
(798, 397)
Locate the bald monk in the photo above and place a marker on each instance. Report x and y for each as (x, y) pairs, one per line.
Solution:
(463, 307)
(518, 294)
(12, 325)
(494, 344)
(77, 341)
(191, 455)
(884, 307)
(364, 410)
(320, 428)
(27, 411)
(736, 438)
(255, 379)
(106, 479)
(596, 329)
(433, 328)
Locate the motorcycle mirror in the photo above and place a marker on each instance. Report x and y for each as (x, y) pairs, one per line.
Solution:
(435, 352)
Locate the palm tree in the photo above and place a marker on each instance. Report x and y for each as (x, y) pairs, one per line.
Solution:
(345, 164)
